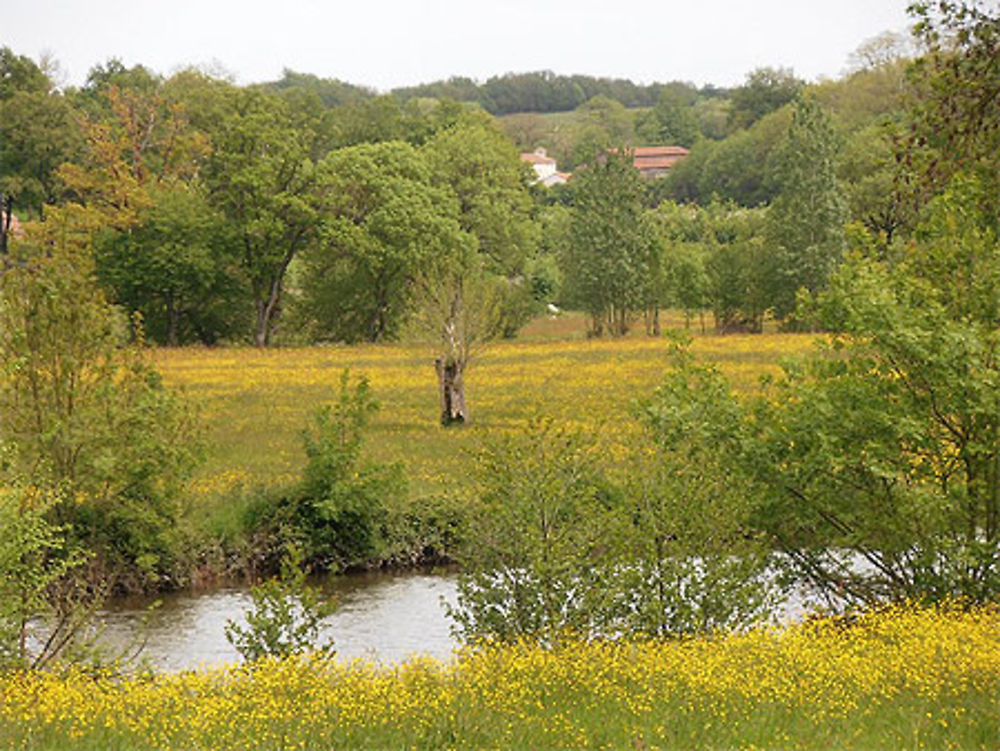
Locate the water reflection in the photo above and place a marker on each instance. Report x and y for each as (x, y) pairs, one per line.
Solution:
(382, 617)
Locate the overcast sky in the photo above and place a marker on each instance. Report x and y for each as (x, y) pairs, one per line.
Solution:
(388, 43)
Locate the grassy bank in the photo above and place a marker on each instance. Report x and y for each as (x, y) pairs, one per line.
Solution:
(900, 679)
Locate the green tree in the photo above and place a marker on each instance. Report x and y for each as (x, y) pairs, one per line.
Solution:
(35, 626)
(805, 225)
(613, 247)
(347, 502)
(766, 90)
(261, 178)
(532, 562)
(475, 293)
(20, 73)
(459, 310)
(85, 413)
(286, 616)
(176, 268)
(38, 132)
(384, 222)
(881, 456)
(675, 120)
(689, 560)
(954, 108)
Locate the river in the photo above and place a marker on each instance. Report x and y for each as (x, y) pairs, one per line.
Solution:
(384, 617)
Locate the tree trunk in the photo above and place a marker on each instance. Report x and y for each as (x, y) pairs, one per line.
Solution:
(173, 321)
(453, 410)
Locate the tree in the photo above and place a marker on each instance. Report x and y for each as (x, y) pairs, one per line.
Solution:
(472, 295)
(613, 247)
(881, 456)
(805, 223)
(955, 108)
(384, 222)
(260, 177)
(38, 132)
(459, 308)
(285, 618)
(765, 90)
(346, 502)
(85, 413)
(177, 268)
(690, 562)
(20, 73)
(23, 86)
(36, 627)
(532, 559)
(674, 119)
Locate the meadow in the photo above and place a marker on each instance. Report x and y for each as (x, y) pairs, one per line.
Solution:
(903, 678)
(256, 403)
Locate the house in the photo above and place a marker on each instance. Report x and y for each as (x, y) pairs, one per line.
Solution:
(656, 161)
(545, 168)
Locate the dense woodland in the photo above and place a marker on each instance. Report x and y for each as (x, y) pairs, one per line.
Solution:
(185, 209)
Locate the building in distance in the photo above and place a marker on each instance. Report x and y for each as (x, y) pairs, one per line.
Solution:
(545, 168)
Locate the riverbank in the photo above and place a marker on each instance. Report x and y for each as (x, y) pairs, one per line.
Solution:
(900, 678)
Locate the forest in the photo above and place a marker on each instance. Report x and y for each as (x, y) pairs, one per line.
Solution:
(253, 332)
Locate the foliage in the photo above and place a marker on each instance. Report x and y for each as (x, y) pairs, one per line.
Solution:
(690, 562)
(955, 108)
(735, 169)
(260, 177)
(882, 456)
(285, 618)
(805, 222)
(384, 225)
(475, 293)
(535, 536)
(346, 504)
(176, 268)
(613, 250)
(765, 90)
(460, 310)
(36, 626)
(86, 414)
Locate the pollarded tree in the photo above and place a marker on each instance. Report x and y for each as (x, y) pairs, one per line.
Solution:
(472, 294)
(613, 247)
(805, 225)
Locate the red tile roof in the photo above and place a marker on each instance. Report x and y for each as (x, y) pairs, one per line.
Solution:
(537, 159)
(652, 151)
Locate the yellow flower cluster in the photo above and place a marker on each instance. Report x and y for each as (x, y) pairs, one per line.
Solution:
(915, 678)
(257, 402)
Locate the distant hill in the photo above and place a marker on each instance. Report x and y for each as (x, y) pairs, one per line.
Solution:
(544, 91)
(332, 92)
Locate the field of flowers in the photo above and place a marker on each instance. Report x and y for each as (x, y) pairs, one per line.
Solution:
(899, 679)
(255, 403)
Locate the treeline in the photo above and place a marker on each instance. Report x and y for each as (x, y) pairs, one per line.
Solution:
(545, 91)
(311, 210)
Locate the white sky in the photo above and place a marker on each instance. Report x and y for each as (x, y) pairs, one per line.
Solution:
(389, 43)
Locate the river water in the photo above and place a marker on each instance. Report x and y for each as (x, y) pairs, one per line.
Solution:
(384, 617)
